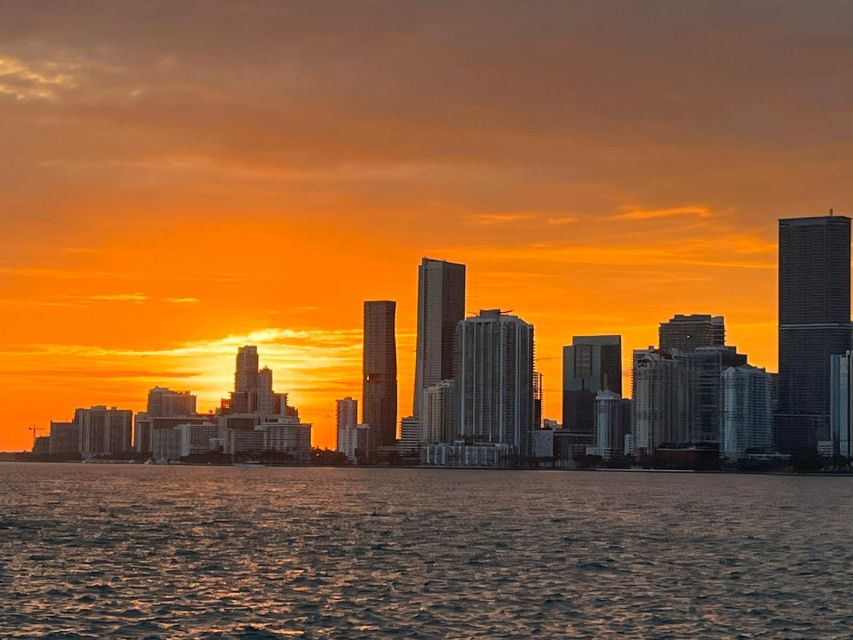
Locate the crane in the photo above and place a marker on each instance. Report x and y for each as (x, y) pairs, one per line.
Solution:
(35, 430)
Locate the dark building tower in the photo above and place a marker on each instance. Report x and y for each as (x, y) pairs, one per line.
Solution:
(591, 364)
(379, 406)
(814, 323)
(687, 333)
(441, 306)
(246, 375)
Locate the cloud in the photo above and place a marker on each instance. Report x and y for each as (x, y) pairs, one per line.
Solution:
(184, 300)
(488, 219)
(116, 297)
(560, 220)
(636, 213)
(40, 80)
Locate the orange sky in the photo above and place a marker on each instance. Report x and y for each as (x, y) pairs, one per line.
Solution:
(173, 187)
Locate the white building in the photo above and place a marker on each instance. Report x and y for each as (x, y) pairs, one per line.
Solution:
(747, 411)
(347, 419)
(496, 380)
(612, 423)
(841, 404)
(661, 403)
(459, 454)
(289, 436)
(440, 413)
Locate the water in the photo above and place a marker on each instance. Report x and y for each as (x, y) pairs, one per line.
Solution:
(216, 552)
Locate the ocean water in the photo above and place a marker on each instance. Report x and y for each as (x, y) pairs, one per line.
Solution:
(126, 551)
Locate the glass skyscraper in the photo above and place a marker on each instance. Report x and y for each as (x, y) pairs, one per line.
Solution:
(814, 323)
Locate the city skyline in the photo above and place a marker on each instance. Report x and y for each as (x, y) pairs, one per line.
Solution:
(167, 191)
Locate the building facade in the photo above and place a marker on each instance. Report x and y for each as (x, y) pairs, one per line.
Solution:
(661, 400)
(747, 411)
(814, 323)
(841, 405)
(379, 403)
(346, 417)
(612, 424)
(688, 332)
(165, 403)
(103, 431)
(495, 380)
(441, 307)
(440, 414)
(590, 365)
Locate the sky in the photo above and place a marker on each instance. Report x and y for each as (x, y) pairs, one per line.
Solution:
(178, 179)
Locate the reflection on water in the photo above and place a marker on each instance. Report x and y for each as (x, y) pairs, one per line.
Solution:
(147, 552)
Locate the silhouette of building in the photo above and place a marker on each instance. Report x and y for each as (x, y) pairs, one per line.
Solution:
(253, 389)
(379, 408)
(814, 323)
(103, 431)
(496, 380)
(747, 411)
(591, 364)
(705, 366)
(612, 424)
(246, 374)
(165, 403)
(64, 438)
(410, 438)
(689, 332)
(441, 307)
(841, 405)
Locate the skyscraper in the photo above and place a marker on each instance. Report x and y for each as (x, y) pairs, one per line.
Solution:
(441, 306)
(841, 411)
(661, 402)
(165, 403)
(747, 415)
(591, 364)
(814, 323)
(347, 419)
(495, 380)
(440, 413)
(379, 408)
(687, 333)
(246, 375)
(103, 431)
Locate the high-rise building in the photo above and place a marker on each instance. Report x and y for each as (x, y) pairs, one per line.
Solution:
(747, 411)
(379, 407)
(346, 414)
(814, 323)
(165, 403)
(612, 424)
(841, 405)
(266, 396)
(495, 380)
(246, 374)
(661, 403)
(705, 366)
(103, 431)
(410, 438)
(591, 364)
(64, 438)
(440, 411)
(689, 332)
(441, 306)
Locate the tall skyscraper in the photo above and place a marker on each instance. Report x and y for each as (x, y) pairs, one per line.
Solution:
(814, 323)
(747, 411)
(495, 380)
(591, 364)
(441, 306)
(379, 408)
(705, 366)
(687, 333)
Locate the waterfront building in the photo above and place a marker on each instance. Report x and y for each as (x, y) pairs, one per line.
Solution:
(379, 408)
(705, 367)
(543, 444)
(346, 414)
(145, 425)
(289, 436)
(244, 442)
(441, 307)
(747, 411)
(440, 412)
(410, 437)
(612, 424)
(814, 324)
(841, 405)
(462, 454)
(197, 438)
(165, 445)
(103, 431)
(41, 446)
(64, 438)
(495, 381)
(688, 332)
(591, 364)
(661, 409)
(164, 403)
(364, 444)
